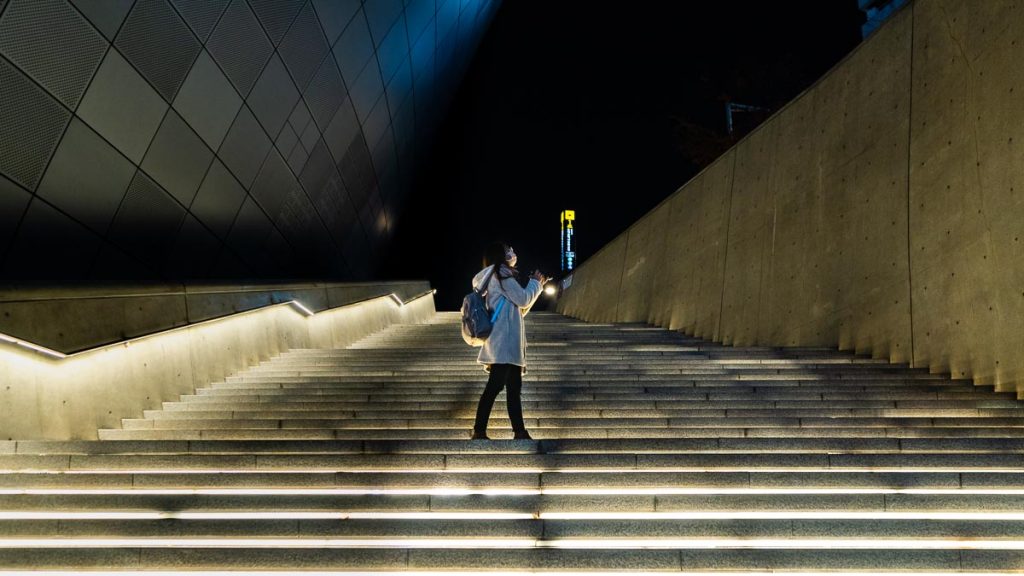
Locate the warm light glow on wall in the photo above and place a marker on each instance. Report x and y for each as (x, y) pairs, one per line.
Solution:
(292, 304)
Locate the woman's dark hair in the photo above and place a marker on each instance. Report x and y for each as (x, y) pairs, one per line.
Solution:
(495, 254)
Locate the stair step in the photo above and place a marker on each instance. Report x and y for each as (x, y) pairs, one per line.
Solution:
(476, 557)
(498, 432)
(638, 508)
(652, 452)
(554, 446)
(802, 460)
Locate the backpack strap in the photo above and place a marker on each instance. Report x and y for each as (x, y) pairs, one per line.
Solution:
(497, 310)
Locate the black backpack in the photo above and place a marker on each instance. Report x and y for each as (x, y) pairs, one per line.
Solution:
(477, 322)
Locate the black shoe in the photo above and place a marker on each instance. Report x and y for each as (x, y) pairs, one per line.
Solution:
(524, 435)
(479, 436)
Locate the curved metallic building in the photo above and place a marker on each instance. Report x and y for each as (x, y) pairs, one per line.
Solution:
(200, 139)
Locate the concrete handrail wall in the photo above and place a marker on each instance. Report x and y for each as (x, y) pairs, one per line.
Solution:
(46, 393)
(880, 211)
(72, 319)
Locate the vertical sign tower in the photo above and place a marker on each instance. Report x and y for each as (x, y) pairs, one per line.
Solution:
(568, 244)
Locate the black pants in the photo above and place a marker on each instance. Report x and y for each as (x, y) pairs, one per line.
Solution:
(509, 377)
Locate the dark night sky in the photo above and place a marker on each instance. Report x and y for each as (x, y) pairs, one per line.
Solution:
(605, 108)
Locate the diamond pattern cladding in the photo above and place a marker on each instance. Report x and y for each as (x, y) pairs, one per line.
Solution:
(106, 16)
(147, 221)
(325, 93)
(164, 140)
(51, 41)
(304, 47)
(159, 44)
(239, 45)
(30, 126)
(276, 16)
(201, 15)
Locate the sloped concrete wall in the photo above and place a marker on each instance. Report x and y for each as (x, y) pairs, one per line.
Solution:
(70, 398)
(880, 211)
(69, 319)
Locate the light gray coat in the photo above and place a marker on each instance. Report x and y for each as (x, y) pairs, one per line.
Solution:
(507, 342)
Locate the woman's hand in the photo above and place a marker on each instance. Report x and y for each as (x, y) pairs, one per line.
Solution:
(539, 277)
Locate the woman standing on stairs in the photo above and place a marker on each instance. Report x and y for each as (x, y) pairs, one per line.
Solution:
(504, 352)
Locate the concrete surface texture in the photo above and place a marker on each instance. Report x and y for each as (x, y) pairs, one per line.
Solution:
(654, 452)
(70, 319)
(47, 398)
(880, 211)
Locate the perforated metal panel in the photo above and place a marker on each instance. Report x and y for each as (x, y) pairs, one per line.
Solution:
(309, 136)
(31, 122)
(177, 159)
(318, 168)
(325, 93)
(304, 47)
(208, 101)
(341, 130)
(276, 15)
(147, 221)
(393, 50)
(273, 97)
(366, 91)
(297, 159)
(275, 178)
(244, 147)
(213, 144)
(239, 45)
(300, 117)
(336, 14)
(354, 48)
(54, 44)
(106, 15)
(122, 106)
(293, 216)
(87, 177)
(286, 140)
(201, 15)
(381, 14)
(159, 44)
(218, 199)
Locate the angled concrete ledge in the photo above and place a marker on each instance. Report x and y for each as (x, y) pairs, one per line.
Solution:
(59, 393)
(72, 319)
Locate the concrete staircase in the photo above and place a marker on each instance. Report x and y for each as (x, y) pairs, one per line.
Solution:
(655, 453)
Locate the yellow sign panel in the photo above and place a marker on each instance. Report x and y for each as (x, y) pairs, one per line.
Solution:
(570, 215)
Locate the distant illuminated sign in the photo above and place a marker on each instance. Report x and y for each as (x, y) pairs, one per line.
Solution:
(568, 244)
